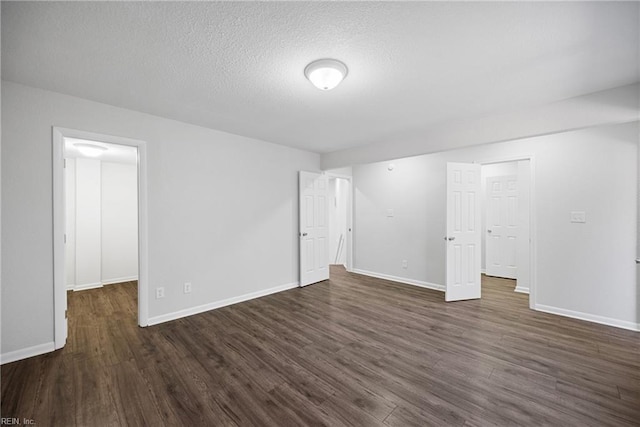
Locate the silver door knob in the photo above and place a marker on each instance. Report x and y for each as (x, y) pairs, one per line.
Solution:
(489, 231)
(304, 234)
(451, 238)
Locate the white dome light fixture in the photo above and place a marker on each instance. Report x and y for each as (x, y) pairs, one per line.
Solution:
(90, 150)
(325, 74)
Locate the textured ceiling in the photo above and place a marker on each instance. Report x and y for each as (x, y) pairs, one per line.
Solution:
(238, 66)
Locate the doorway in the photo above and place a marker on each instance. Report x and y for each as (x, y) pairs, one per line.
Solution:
(101, 209)
(506, 222)
(107, 198)
(325, 218)
(339, 224)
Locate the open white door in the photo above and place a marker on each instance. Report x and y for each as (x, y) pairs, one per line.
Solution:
(314, 228)
(463, 232)
(502, 226)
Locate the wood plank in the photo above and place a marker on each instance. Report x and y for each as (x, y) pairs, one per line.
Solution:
(354, 350)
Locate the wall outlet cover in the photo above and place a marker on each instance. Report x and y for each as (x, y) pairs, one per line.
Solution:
(578, 216)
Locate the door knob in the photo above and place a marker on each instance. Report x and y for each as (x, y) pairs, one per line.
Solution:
(451, 238)
(304, 234)
(489, 231)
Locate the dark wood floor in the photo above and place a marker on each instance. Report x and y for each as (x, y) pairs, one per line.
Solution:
(350, 351)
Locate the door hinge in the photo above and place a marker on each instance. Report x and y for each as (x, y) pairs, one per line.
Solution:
(65, 238)
(65, 163)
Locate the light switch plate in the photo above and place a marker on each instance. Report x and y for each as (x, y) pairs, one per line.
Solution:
(578, 217)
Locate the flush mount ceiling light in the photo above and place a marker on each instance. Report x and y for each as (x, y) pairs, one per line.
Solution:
(325, 74)
(90, 150)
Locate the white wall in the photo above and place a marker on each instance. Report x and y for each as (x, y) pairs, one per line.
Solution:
(88, 237)
(223, 210)
(119, 215)
(382, 242)
(617, 105)
(583, 270)
(346, 171)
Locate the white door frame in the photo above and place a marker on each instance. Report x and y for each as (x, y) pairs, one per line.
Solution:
(349, 241)
(59, 285)
(532, 218)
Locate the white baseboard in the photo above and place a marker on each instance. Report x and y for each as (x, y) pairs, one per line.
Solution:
(589, 317)
(119, 280)
(100, 284)
(87, 286)
(483, 271)
(25, 353)
(433, 286)
(521, 290)
(218, 304)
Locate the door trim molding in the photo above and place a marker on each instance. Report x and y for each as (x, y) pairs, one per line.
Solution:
(60, 296)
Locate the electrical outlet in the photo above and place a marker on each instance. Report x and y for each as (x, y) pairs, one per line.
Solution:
(187, 288)
(578, 216)
(159, 293)
(405, 264)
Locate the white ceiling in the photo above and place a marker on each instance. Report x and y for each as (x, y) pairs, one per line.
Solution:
(114, 153)
(238, 66)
